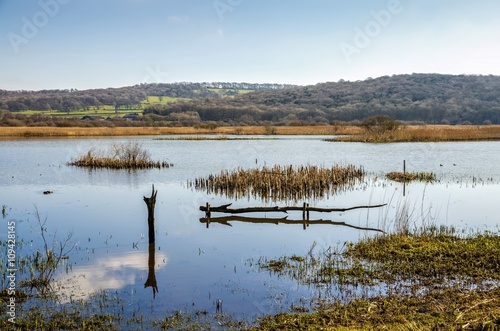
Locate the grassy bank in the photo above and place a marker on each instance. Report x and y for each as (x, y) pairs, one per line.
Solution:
(434, 280)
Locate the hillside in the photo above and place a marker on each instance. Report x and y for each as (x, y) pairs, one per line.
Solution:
(429, 98)
(125, 97)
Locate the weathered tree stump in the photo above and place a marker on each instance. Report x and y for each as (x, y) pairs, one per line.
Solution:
(151, 280)
(150, 203)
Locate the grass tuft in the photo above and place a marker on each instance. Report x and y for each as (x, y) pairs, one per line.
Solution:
(122, 156)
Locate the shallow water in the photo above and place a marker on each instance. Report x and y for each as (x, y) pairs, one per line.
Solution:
(196, 265)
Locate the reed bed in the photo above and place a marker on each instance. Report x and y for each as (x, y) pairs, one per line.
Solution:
(119, 156)
(281, 183)
(147, 131)
(428, 133)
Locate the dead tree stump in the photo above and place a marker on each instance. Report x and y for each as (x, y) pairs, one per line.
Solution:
(150, 203)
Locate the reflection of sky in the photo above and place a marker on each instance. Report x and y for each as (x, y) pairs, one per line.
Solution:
(108, 273)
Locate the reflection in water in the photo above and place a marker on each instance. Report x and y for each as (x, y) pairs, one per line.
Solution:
(109, 273)
(305, 223)
(151, 281)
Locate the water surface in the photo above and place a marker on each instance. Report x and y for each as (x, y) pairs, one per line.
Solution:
(196, 265)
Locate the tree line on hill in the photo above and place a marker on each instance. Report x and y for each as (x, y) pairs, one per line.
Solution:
(416, 98)
(425, 98)
(125, 97)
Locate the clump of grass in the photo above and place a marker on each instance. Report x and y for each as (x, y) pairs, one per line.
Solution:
(411, 176)
(129, 155)
(281, 183)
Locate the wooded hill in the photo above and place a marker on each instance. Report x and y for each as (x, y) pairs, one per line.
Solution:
(126, 97)
(429, 98)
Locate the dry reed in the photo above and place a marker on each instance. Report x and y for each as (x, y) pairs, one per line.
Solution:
(429, 133)
(122, 156)
(141, 131)
(281, 183)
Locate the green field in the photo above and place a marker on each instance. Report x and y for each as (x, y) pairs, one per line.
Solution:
(106, 110)
(109, 110)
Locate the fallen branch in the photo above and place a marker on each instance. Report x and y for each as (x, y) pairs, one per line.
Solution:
(227, 210)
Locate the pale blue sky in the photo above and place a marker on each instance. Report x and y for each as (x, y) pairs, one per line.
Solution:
(111, 43)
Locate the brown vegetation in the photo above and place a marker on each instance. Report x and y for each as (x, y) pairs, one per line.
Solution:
(411, 176)
(428, 133)
(281, 183)
(123, 156)
(348, 133)
(139, 131)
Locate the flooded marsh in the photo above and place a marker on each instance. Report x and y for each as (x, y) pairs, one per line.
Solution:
(201, 267)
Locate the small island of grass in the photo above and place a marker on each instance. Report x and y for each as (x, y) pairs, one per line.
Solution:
(422, 176)
(129, 155)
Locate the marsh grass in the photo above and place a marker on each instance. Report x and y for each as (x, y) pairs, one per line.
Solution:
(421, 176)
(37, 132)
(280, 183)
(433, 278)
(427, 133)
(129, 155)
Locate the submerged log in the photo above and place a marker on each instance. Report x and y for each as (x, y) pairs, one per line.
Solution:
(285, 209)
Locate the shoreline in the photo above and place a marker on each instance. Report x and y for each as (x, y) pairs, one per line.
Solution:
(34, 132)
(412, 133)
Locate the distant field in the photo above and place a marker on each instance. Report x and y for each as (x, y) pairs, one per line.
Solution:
(109, 110)
(105, 110)
(157, 100)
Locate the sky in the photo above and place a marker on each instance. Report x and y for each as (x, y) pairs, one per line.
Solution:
(82, 44)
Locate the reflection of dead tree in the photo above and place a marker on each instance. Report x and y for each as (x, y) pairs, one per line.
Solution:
(305, 223)
(151, 280)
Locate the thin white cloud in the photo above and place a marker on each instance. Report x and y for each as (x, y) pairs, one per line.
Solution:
(107, 273)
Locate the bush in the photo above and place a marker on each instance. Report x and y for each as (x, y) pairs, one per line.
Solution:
(380, 124)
